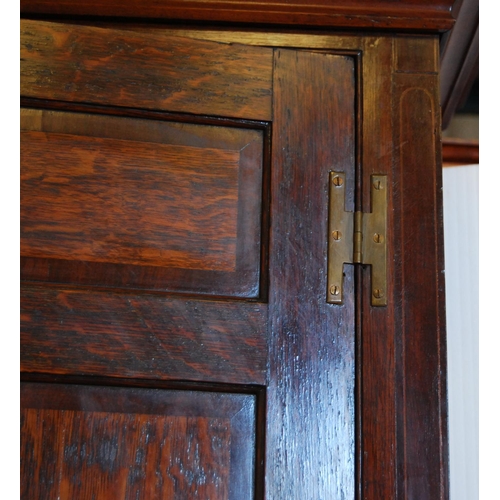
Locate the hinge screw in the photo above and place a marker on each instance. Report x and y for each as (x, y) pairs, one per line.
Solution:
(378, 238)
(334, 290)
(378, 293)
(338, 181)
(377, 185)
(337, 235)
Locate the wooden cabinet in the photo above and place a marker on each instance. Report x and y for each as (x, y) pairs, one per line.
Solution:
(177, 339)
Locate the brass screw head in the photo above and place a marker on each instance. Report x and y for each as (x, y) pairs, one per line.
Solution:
(378, 293)
(378, 238)
(377, 185)
(334, 290)
(338, 181)
(336, 235)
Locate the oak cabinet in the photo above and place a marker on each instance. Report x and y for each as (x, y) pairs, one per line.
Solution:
(177, 337)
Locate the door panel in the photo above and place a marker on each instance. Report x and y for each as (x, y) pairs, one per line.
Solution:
(128, 202)
(165, 241)
(114, 443)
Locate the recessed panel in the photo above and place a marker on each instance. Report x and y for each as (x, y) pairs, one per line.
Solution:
(81, 442)
(142, 203)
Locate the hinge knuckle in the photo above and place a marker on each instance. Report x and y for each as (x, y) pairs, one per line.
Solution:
(357, 256)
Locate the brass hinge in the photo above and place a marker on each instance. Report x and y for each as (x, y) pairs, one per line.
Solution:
(357, 238)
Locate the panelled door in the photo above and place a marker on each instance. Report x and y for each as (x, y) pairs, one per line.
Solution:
(176, 338)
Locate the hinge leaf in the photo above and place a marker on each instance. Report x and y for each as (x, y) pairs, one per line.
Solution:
(340, 248)
(375, 240)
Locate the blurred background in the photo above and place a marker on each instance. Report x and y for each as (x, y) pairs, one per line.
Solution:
(460, 116)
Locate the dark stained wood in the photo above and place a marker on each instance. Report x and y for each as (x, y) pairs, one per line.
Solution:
(425, 15)
(150, 72)
(135, 443)
(413, 54)
(145, 337)
(140, 203)
(460, 152)
(310, 428)
(392, 358)
(389, 423)
(376, 330)
(419, 288)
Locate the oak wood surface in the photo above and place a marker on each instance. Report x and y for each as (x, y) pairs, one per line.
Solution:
(375, 327)
(116, 442)
(400, 423)
(144, 196)
(123, 335)
(107, 200)
(310, 427)
(150, 72)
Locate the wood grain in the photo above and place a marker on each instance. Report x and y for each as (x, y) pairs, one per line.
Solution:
(375, 357)
(144, 196)
(95, 65)
(107, 200)
(397, 361)
(421, 347)
(130, 443)
(144, 337)
(310, 428)
(415, 14)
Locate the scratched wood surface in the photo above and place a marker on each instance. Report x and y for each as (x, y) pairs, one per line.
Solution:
(129, 336)
(141, 336)
(82, 64)
(310, 429)
(396, 363)
(83, 442)
(144, 196)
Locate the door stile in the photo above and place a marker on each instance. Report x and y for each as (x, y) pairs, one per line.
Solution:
(375, 357)
(310, 398)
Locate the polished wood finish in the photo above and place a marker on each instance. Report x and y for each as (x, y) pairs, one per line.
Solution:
(377, 464)
(426, 15)
(355, 395)
(142, 72)
(311, 341)
(140, 203)
(112, 443)
(130, 336)
(419, 282)
(141, 336)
